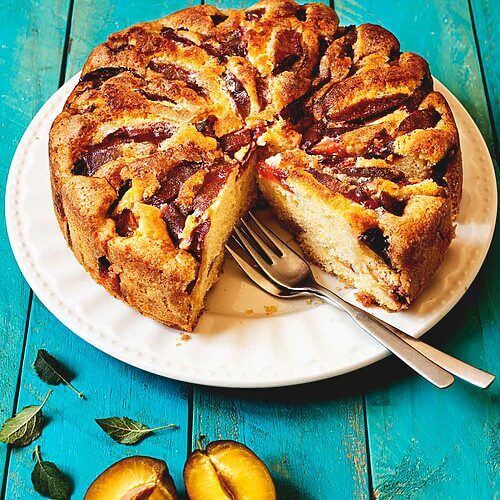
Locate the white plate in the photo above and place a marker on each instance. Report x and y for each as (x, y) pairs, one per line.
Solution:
(245, 338)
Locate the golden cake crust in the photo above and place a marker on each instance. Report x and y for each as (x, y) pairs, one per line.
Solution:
(170, 117)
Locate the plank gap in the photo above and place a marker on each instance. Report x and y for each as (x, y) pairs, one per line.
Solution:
(190, 412)
(367, 448)
(483, 78)
(67, 39)
(17, 391)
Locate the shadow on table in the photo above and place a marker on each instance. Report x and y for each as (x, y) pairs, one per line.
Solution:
(458, 334)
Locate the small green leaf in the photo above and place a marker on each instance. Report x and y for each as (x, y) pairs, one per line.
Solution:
(53, 372)
(24, 427)
(127, 431)
(48, 480)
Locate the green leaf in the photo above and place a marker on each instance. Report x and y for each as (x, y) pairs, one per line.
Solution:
(127, 431)
(25, 427)
(48, 480)
(53, 372)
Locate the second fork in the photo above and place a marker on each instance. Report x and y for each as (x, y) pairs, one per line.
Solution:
(279, 263)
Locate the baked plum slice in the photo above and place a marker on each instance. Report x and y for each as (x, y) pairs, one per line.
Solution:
(171, 184)
(288, 51)
(218, 19)
(126, 223)
(238, 93)
(172, 71)
(100, 75)
(96, 155)
(375, 239)
(234, 44)
(171, 34)
(420, 119)
(231, 143)
(207, 126)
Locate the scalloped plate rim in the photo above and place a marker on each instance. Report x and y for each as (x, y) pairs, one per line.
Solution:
(74, 323)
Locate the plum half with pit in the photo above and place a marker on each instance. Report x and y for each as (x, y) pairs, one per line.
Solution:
(134, 478)
(227, 470)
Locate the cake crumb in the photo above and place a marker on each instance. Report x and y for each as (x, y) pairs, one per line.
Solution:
(185, 337)
(270, 310)
(248, 312)
(314, 301)
(365, 299)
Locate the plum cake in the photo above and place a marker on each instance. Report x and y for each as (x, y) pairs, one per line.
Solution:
(176, 125)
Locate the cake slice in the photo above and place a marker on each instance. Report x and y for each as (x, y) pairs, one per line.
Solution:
(374, 182)
(153, 232)
(382, 237)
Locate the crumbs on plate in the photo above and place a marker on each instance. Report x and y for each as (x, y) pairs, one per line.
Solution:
(184, 338)
(248, 312)
(270, 310)
(314, 301)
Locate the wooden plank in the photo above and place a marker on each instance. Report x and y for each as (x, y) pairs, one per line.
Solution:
(426, 443)
(314, 446)
(94, 20)
(71, 438)
(312, 437)
(30, 55)
(486, 15)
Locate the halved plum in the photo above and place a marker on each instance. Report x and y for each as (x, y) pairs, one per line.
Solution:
(134, 478)
(227, 470)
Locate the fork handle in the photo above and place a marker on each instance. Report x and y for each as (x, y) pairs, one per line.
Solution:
(413, 358)
(465, 371)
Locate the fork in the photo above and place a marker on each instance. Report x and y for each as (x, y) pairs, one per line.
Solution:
(281, 271)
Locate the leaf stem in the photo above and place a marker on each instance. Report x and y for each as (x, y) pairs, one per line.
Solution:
(38, 455)
(73, 388)
(45, 399)
(168, 426)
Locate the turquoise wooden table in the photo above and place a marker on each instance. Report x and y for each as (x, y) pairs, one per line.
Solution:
(380, 432)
